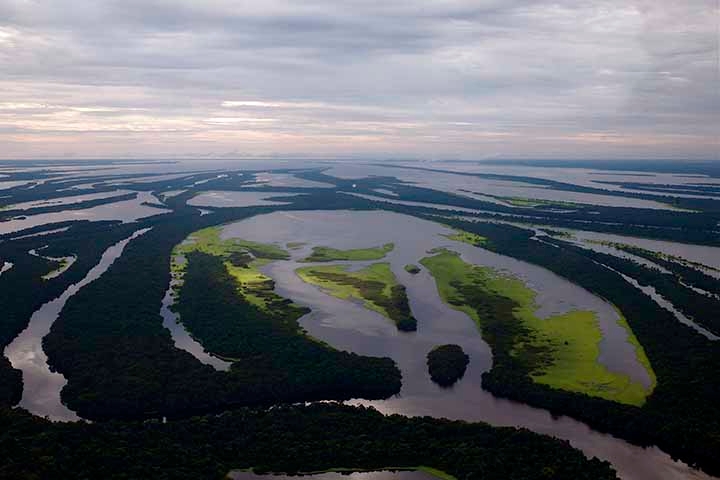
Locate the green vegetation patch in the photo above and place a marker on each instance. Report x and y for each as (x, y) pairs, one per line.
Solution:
(447, 364)
(521, 202)
(327, 254)
(62, 265)
(560, 351)
(375, 285)
(243, 260)
(557, 233)
(467, 237)
(208, 241)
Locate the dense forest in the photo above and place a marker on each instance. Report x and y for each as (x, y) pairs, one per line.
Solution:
(23, 290)
(291, 438)
(684, 272)
(447, 364)
(126, 365)
(11, 213)
(271, 342)
(679, 416)
(689, 227)
(702, 309)
(122, 367)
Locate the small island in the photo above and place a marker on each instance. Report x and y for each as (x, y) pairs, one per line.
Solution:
(374, 285)
(447, 364)
(328, 254)
(412, 269)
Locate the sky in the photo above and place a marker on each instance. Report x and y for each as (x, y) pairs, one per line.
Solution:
(405, 79)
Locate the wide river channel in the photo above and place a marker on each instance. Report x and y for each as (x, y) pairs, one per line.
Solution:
(349, 326)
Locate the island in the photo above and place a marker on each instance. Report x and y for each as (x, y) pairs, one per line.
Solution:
(328, 254)
(412, 269)
(374, 285)
(447, 364)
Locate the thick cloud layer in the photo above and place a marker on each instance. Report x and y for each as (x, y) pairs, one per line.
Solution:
(431, 79)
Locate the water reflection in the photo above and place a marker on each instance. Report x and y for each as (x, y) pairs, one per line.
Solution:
(237, 199)
(5, 267)
(709, 256)
(377, 475)
(462, 184)
(126, 211)
(70, 200)
(41, 386)
(285, 180)
(181, 338)
(349, 326)
(646, 289)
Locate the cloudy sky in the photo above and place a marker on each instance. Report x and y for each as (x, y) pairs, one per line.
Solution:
(467, 79)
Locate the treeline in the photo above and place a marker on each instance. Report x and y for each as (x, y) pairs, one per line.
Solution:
(702, 309)
(447, 364)
(6, 215)
(291, 438)
(694, 189)
(396, 305)
(700, 204)
(680, 415)
(120, 361)
(686, 273)
(686, 227)
(23, 290)
(228, 325)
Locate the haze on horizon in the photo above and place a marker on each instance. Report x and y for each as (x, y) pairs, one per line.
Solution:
(467, 79)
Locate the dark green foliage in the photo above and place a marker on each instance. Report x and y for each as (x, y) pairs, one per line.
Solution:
(10, 384)
(447, 364)
(412, 269)
(8, 214)
(680, 416)
(703, 309)
(685, 272)
(650, 215)
(687, 227)
(240, 259)
(290, 438)
(22, 289)
(396, 305)
(228, 325)
(120, 362)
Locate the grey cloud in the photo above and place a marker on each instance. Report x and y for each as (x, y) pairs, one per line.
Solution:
(536, 69)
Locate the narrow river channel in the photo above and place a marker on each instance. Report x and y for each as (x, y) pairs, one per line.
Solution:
(42, 386)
